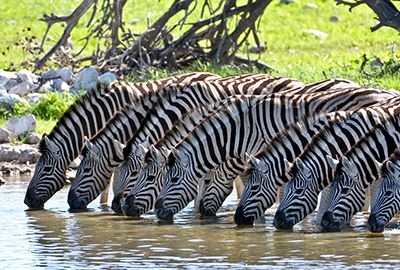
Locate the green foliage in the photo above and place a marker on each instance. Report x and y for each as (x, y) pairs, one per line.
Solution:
(50, 107)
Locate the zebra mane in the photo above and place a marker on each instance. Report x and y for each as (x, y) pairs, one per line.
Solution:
(76, 107)
(305, 122)
(316, 141)
(395, 156)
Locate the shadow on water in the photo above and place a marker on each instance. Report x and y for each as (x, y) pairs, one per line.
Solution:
(98, 238)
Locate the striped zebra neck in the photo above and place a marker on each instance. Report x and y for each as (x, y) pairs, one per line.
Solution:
(376, 145)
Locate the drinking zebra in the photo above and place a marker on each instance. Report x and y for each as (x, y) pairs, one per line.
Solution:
(387, 199)
(240, 129)
(102, 155)
(128, 172)
(311, 171)
(86, 117)
(356, 171)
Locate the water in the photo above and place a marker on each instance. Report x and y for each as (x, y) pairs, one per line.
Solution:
(58, 239)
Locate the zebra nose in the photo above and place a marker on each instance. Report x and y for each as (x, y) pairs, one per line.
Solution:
(159, 204)
(280, 221)
(129, 208)
(116, 203)
(241, 219)
(374, 225)
(205, 212)
(75, 201)
(329, 223)
(32, 201)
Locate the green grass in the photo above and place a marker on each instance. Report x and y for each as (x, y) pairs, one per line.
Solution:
(291, 51)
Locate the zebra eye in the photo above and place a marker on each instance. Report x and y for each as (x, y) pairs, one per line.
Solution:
(207, 181)
(255, 187)
(174, 180)
(388, 193)
(345, 190)
(47, 168)
(151, 178)
(299, 191)
(87, 170)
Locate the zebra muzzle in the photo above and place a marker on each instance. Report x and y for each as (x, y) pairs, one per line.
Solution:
(374, 225)
(329, 223)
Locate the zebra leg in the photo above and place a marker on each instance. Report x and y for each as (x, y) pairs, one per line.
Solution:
(367, 201)
(104, 194)
(239, 186)
(323, 204)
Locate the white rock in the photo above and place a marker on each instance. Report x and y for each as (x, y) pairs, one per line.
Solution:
(23, 88)
(5, 76)
(311, 6)
(64, 74)
(30, 155)
(86, 79)
(33, 138)
(9, 153)
(2, 181)
(7, 101)
(60, 86)
(5, 135)
(21, 126)
(107, 78)
(316, 33)
(25, 75)
(44, 88)
(34, 98)
(3, 89)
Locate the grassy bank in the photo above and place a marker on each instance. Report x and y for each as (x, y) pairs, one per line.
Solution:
(291, 49)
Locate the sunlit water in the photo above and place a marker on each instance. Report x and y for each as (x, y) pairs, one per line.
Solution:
(57, 239)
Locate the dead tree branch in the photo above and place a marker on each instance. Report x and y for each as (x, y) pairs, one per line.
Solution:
(388, 14)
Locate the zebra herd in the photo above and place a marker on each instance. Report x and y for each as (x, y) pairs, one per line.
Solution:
(186, 137)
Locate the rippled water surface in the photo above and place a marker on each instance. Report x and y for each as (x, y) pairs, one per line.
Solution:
(56, 238)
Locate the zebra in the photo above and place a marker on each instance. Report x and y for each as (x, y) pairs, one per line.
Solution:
(387, 199)
(128, 171)
(238, 130)
(89, 114)
(268, 171)
(311, 171)
(103, 154)
(356, 171)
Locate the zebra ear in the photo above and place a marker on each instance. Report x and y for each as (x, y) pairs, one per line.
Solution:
(142, 148)
(119, 149)
(92, 149)
(347, 163)
(288, 164)
(378, 165)
(392, 169)
(256, 163)
(299, 164)
(332, 162)
(51, 146)
(156, 155)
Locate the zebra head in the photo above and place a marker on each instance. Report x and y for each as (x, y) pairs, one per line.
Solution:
(180, 186)
(49, 176)
(218, 184)
(387, 199)
(143, 194)
(300, 196)
(347, 194)
(93, 174)
(127, 173)
(258, 192)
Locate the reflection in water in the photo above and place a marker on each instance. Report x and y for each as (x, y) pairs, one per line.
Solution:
(57, 238)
